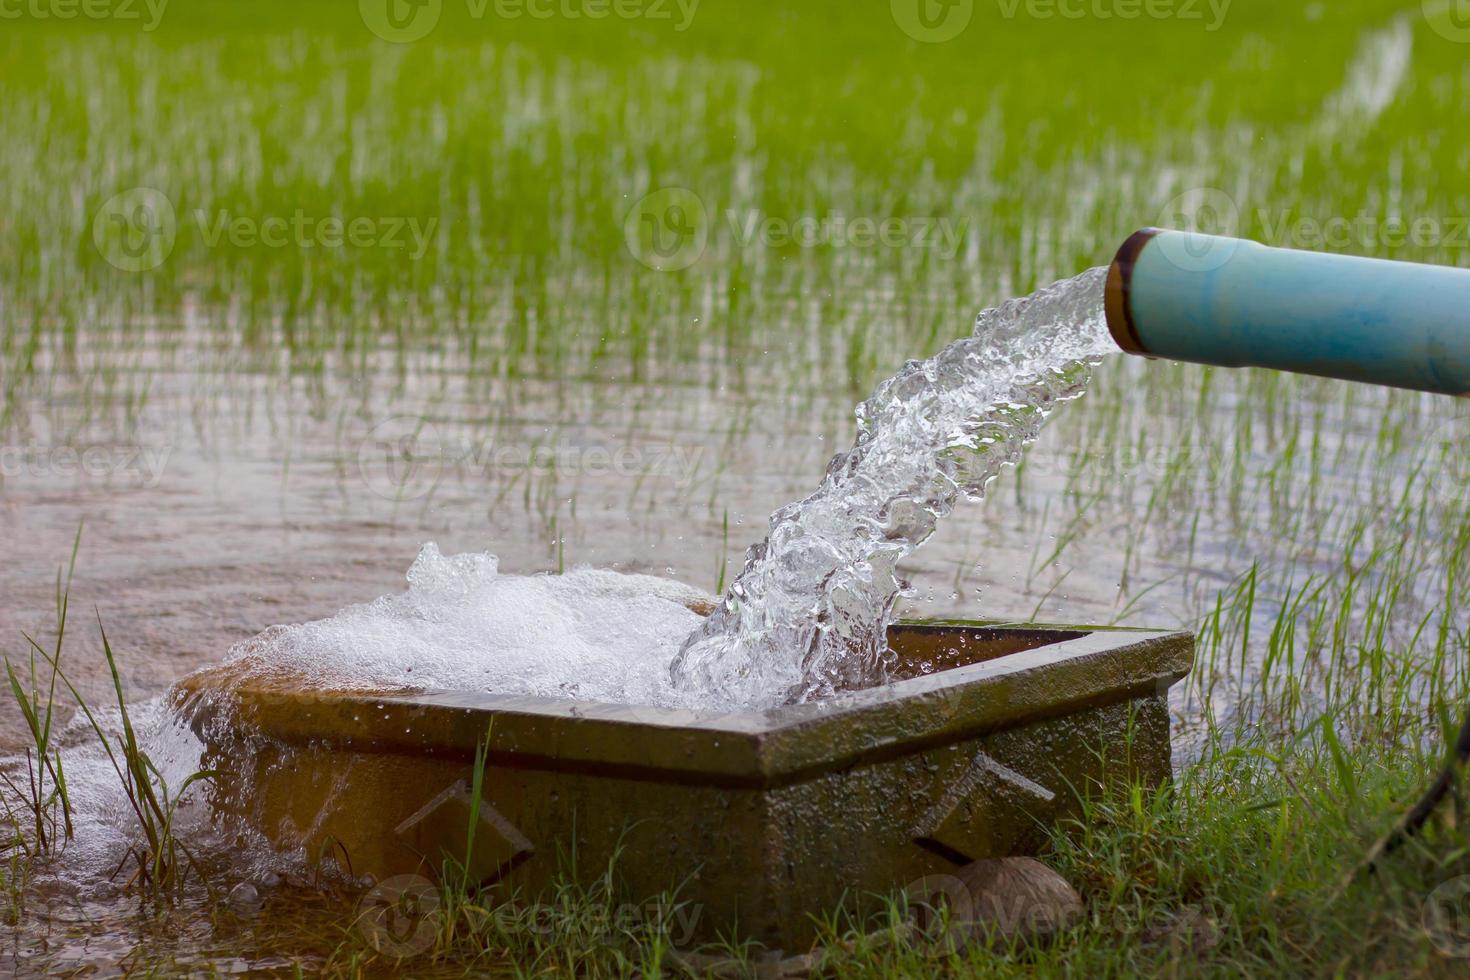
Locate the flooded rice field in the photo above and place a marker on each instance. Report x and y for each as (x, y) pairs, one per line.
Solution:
(281, 302)
(219, 503)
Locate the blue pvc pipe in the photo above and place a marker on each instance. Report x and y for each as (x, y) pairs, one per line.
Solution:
(1234, 303)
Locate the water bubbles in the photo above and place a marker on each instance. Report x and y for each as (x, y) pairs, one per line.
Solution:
(463, 626)
(809, 613)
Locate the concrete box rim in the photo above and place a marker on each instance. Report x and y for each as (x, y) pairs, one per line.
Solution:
(1081, 667)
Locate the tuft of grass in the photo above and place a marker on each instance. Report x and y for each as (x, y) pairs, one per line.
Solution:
(159, 858)
(1232, 871)
(1301, 526)
(41, 790)
(587, 928)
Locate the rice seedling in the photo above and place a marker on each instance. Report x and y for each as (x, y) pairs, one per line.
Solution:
(1313, 533)
(41, 789)
(160, 860)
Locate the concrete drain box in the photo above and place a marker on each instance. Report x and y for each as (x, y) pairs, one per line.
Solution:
(761, 819)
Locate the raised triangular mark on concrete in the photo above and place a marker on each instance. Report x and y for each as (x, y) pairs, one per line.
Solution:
(956, 825)
(441, 827)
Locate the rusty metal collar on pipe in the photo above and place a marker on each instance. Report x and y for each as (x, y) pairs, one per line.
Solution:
(1117, 303)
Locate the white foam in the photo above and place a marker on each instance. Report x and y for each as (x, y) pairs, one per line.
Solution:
(808, 615)
(588, 635)
(105, 826)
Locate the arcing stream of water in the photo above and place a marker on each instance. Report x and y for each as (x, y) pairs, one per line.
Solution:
(809, 614)
(806, 618)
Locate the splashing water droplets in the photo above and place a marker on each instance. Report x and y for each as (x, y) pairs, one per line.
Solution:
(807, 617)
(809, 614)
